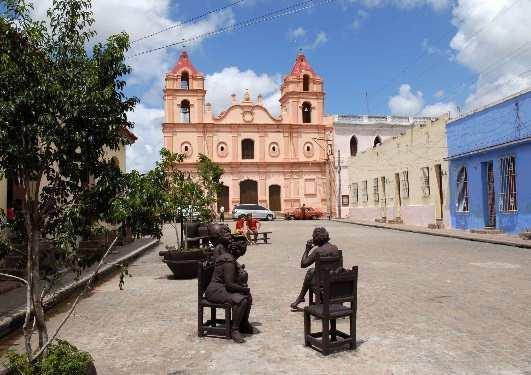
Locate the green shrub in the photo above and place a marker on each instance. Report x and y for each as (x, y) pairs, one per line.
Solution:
(61, 358)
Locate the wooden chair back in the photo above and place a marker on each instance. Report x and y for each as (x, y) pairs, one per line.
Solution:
(325, 264)
(340, 287)
(204, 275)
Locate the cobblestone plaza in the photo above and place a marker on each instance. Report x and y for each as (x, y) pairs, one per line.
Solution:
(426, 305)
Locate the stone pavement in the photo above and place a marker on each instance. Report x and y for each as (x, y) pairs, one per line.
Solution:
(427, 305)
(12, 302)
(498, 239)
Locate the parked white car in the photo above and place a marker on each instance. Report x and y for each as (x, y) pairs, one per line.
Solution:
(258, 212)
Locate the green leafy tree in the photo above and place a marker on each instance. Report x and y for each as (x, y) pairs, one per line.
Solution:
(188, 195)
(60, 108)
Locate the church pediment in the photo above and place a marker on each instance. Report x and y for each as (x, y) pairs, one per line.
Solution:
(246, 114)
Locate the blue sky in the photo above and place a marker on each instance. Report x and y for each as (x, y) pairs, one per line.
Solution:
(412, 57)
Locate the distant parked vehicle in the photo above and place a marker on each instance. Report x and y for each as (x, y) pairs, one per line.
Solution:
(309, 213)
(258, 212)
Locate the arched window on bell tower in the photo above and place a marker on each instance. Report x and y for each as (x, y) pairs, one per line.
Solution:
(185, 112)
(306, 82)
(185, 81)
(306, 112)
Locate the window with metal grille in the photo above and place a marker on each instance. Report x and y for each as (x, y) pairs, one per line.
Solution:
(425, 181)
(462, 190)
(508, 184)
(404, 184)
(247, 149)
(354, 193)
(375, 192)
(364, 193)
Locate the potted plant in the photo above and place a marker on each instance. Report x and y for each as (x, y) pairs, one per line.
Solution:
(189, 208)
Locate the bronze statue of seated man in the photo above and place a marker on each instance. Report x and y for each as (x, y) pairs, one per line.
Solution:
(320, 238)
(229, 282)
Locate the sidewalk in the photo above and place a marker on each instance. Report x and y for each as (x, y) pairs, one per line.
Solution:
(498, 239)
(12, 303)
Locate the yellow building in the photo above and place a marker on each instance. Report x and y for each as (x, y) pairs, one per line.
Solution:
(405, 179)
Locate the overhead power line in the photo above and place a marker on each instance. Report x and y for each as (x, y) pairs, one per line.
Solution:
(292, 9)
(190, 20)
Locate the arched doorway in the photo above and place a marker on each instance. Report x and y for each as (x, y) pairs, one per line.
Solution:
(274, 198)
(223, 198)
(248, 191)
(353, 146)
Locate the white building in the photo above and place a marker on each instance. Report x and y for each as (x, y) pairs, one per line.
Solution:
(356, 133)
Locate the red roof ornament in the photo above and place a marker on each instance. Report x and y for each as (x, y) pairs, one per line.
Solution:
(302, 65)
(184, 62)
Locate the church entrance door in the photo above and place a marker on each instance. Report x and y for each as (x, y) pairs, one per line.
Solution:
(274, 198)
(248, 192)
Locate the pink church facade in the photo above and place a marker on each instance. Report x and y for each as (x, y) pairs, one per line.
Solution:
(278, 162)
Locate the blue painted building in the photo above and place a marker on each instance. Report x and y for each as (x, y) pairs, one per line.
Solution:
(489, 153)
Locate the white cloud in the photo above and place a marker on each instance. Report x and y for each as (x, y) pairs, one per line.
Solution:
(231, 80)
(409, 103)
(439, 94)
(143, 154)
(361, 15)
(440, 108)
(406, 103)
(493, 41)
(319, 40)
(294, 34)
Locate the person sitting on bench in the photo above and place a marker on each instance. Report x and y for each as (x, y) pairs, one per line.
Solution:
(320, 238)
(253, 226)
(240, 225)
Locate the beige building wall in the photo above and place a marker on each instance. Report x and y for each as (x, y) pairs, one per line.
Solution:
(406, 178)
(3, 195)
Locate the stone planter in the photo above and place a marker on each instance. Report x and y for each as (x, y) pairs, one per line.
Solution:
(183, 264)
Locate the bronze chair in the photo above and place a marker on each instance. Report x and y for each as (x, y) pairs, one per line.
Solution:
(338, 288)
(213, 327)
(323, 265)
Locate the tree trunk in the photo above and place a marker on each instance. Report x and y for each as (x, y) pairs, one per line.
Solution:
(34, 307)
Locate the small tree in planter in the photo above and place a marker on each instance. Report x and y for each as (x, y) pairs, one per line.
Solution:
(187, 197)
(60, 108)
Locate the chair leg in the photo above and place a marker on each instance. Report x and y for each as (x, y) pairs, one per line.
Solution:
(353, 331)
(307, 328)
(325, 339)
(213, 316)
(200, 332)
(228, 321)
(333, 330)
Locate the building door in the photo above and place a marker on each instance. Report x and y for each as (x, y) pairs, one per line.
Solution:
(223, 197)
(440, 198)
(274, 198)
(398, 200)
(248, 191)
(491, 197)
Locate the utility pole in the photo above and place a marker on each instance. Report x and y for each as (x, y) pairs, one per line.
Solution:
(339, 184)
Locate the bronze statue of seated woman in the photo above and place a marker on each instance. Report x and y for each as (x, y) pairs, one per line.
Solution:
(229, 281)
